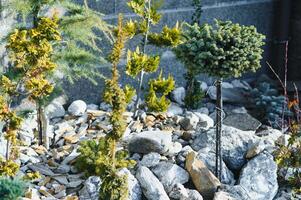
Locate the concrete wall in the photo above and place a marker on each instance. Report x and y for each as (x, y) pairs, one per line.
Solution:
(248, 12)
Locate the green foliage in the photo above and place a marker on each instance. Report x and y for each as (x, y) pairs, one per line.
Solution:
(102, 158)
(77, 55)
(95, 158)
(223, 51)
(194, 95)
(159, 87)
(12, 123)
(289, 156)
(8, 167)
(11, 189)
(197, 4)
(137, 61)
(170, 37)
(30, 52)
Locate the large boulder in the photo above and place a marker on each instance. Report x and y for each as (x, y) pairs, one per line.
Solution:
(204, 180)
(208, 157)
(235, 144)
(170, 174)
(151, 141)
(259, 177)
(151, 186)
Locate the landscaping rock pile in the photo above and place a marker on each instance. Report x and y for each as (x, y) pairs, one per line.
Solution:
(175, 154)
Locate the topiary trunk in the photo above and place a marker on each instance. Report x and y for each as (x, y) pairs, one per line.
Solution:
(219, 121)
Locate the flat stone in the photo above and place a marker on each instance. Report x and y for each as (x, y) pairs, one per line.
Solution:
(242, 121)
(204, 181)
(43, 169)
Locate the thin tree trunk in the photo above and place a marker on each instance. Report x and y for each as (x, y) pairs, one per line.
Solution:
(219, 121)
(45, 126)
(7, 150)
(113, 152)
(40, 123)
(144, 44)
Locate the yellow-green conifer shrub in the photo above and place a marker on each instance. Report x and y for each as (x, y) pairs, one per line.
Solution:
(138, 62)
(8, 166)
(101, 157)
(30, 51)
(158, 90)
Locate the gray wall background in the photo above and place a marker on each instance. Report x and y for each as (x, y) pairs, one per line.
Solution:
(259, 13)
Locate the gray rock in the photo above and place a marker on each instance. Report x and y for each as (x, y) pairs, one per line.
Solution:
(90, 189)
(135, 192)
(194, 195)
(203, 110)
(43, 169)
(178, 192)
(151, 159)
(151, 141)
(259, 177)
(77, 108)
(230, 95)
(242, 121)
(62, 169)
(255, 149)
(235, 144)
(178, 95)
(55, 110)
(203, 86)
(170, 174)
(236, 192)
(205, 121)
(105, 107)
(174, 148)
(190, 121)
(174, 109)
(240, 84)
(151, 186)
(208, 157)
